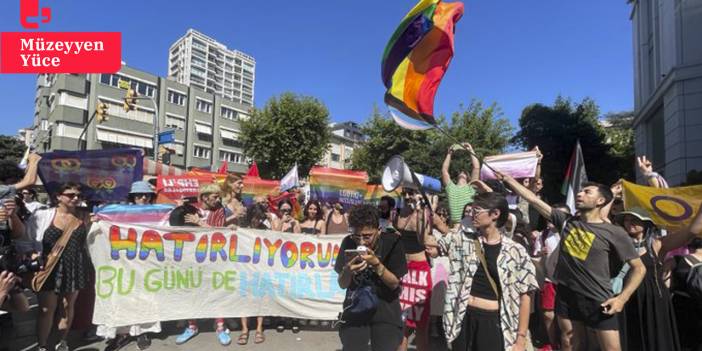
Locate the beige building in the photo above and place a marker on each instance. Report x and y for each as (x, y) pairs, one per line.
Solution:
(344, 139)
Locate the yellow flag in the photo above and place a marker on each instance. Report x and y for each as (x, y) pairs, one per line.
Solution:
(672, 208)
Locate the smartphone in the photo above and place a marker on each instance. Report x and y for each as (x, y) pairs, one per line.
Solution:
(350, 253)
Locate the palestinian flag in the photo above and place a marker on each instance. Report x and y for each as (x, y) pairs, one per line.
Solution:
(575, 177)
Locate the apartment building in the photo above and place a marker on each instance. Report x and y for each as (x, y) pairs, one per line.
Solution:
(206, 125)
(199, 61)
(344, 139)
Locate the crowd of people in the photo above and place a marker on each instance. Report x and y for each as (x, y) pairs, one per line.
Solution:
(523, 273)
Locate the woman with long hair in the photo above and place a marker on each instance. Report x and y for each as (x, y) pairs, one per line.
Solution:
(337, 221)
(231, 199)
(72, 272)
(286, 222)
(650, 321)
(314, 219)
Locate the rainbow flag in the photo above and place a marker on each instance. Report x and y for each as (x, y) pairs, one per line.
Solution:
(255, 186)
(417, 56)
(375, 191)
(337, 185)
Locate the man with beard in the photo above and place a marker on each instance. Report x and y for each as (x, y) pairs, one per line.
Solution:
(461, 192)
(386, 211)
(591, 249)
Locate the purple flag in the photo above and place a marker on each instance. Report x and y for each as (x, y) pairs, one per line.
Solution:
(104, 175)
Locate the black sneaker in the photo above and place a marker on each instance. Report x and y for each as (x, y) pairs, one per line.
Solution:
(143, 342)
(118, 343)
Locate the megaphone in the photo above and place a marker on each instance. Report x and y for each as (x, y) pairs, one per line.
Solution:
(397, 173)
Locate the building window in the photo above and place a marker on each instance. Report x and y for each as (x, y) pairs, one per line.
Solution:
(117, 110)
(49, 80)
(176, 98)
(203, 106)
(201, 152)
(175, 122)
(142, 88)
(229, 113)
(80, 102)
(230, 156)
(335, 157)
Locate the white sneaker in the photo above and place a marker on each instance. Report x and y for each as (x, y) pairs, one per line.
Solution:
(62, 346)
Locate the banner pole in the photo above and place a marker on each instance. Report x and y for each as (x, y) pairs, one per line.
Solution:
(436, 126)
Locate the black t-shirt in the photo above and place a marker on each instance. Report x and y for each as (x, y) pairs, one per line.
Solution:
(590, 255)
(481, 285)
(392, 255)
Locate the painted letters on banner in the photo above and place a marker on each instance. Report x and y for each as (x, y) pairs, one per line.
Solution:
(146, 274)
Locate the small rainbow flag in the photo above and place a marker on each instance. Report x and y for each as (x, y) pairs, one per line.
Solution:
(255, 186)
(417, 56)
(337, 185)
(375, 191)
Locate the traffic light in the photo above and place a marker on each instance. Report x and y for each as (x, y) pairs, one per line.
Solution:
(101, 112)
(130, 100)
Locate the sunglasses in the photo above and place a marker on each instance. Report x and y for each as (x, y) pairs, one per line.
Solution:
(72, 195)
(138, 195)
(358, 237)
(285, 210)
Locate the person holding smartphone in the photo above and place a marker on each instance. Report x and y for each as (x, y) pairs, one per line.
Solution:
(286, 223)
(369, 257)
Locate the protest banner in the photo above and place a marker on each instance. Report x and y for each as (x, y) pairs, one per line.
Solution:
(672, 208)
(147, 273)
(518, 165)
(336, 185)
(172, 188)
(104, 175)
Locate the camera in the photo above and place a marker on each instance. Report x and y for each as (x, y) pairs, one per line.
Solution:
(17, 264)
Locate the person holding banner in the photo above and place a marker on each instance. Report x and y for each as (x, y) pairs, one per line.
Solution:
(286, 222)
(589, 248)
(461, 192)
(370, 263)
(71, 272)
(314, 218)
(231, 198)
(141, 193)
(413, 224)
(210, 214)
(488, 299)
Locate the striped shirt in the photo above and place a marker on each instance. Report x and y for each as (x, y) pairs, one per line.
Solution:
(458, 197)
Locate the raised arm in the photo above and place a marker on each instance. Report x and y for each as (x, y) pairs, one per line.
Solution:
(542, 207)
(445, 175)
(682, 237)
(475, 163)
(30, 177)
(537, 174)
(646, 169)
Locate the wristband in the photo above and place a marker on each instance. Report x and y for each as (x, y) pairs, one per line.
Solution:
(651, 175)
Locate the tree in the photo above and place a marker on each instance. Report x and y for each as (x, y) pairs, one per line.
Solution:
(289, 129)
(619, 130)
(555, 129)
(424, 151)
(11, 148)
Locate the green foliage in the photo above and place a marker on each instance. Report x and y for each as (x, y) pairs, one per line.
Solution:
(11, 148)
(619, 129)
(288, 129)
(555, 130)
(424, 151)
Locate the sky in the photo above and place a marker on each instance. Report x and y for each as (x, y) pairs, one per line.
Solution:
(510, 52)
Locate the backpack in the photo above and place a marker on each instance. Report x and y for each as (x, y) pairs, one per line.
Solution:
(694, 278)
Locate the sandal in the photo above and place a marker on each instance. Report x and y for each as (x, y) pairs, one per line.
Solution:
(259, 337)
(243, 339)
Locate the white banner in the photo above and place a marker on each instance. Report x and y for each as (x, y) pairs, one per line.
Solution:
(517, 165)
(147, 274)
